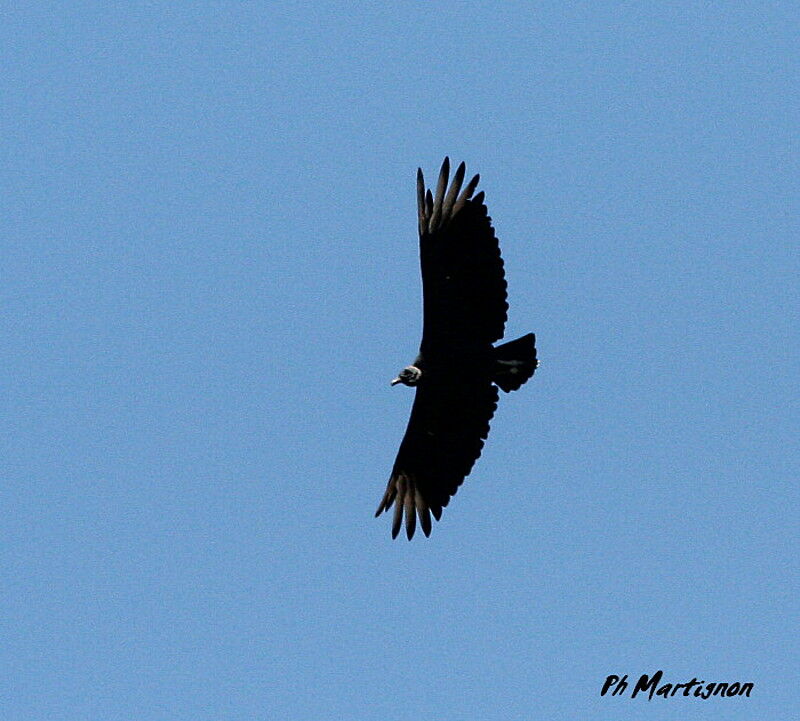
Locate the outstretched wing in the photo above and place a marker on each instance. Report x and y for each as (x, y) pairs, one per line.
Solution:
(463, 282)
(445, 434)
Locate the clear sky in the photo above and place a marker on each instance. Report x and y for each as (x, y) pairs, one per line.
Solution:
(209, 274)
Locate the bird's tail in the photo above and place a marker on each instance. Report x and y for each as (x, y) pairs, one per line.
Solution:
(515, 362)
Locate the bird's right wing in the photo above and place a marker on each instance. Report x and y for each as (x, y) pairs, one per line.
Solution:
(448, 425)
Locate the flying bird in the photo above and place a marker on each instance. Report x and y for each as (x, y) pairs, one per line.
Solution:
(458, 370)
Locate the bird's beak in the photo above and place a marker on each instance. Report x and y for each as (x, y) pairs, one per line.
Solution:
(395, 381)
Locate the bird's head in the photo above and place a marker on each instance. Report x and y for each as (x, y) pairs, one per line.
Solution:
(409, 376)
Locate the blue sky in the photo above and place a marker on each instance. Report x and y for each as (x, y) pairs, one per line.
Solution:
(209, 275)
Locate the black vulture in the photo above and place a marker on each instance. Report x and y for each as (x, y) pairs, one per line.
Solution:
(457, 371)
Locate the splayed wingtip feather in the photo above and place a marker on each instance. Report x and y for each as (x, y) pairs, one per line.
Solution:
(423, 512)
(400, 485)
(420, 200)
(452, 193)
(388, 497)
(411, 516)
(397, 519)
(466, 194)
(444, 174)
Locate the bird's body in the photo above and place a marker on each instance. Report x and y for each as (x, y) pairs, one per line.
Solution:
(458, 370)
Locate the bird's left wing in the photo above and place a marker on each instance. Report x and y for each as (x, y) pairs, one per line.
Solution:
(448, 425)
(463, 281)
